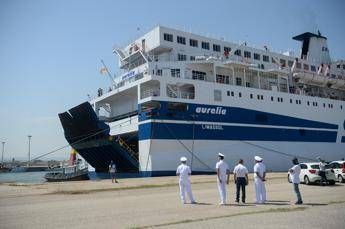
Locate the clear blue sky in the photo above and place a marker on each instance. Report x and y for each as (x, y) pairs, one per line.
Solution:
(50, 51)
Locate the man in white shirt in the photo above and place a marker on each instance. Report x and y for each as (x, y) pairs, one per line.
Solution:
(259, 180)
(322, 171)
(183, 171)
(112, 171)
(222, 177)
(294, 173)
(241, 180)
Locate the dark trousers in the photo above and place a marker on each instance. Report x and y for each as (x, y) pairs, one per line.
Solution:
(298, 194)
(322, 174)
(241, 184)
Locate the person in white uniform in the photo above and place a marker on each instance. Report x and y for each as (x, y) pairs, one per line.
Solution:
(259, 180)
(183, 171)
(241, 180)
(222, 178)
(294, 173)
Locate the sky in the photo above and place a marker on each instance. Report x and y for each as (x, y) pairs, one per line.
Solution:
(50, 50)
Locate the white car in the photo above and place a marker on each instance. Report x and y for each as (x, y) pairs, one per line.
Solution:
(310, 174)
(339, 170)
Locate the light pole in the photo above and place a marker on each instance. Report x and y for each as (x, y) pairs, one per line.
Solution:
(29, 136)
(2, 155)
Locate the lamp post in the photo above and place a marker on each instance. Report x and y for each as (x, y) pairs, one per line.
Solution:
(29, 136)
(2, 155)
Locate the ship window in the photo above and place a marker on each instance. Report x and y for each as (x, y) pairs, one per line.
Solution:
(256, 56)
(278, 99)
(290, 63)
(281, 99)
(324, 105)
(338, 65)
(272, 98)
(312, 68)
(266, 58)
(247, 54)
(258, 96)
(247, 84)
(197, 75)
(223, 79)
(216, 48)
(283, 63)
(240, 94)
(205, 45)
(273, 60)
(193, 43)
(290, 100)
(192, 58)
(305, 67)
(218, 95)
(251, 96)
(180, 107)
(181, 40)
(238, 81)
(262, 97)
(238, 52)
(298, 65)
(341, 107)
(343, 66)
(232, 93)
(228, 93)
(181, 57)
(159, 72)
(227, 49)
(308, 103)
(296, 101)
(168, 37)
(175, 73)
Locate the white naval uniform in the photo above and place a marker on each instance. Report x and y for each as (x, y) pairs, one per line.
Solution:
(223, 168)
(184, 170)
(260, 189)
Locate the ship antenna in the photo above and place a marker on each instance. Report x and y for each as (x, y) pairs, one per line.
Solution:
(107, 71)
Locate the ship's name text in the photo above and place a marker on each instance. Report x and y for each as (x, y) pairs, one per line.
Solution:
(205, 110)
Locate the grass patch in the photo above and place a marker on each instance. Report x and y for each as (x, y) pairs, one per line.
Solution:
(271, 210)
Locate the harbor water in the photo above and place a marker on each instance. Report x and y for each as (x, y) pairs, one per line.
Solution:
(38, 177)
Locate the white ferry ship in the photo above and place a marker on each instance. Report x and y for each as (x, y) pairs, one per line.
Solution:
(183, 94)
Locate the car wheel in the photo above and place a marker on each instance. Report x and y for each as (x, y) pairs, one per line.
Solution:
(331, 182)
(306, 180)
(340, 179)
(289, 179)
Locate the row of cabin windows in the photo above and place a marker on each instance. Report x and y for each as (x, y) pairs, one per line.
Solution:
(280, 99)
(247, 54)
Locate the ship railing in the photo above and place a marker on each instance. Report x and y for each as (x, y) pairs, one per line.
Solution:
(149, 93)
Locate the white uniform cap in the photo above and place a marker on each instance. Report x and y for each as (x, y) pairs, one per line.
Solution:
(183, 159)
(220, 154)
(257, 158)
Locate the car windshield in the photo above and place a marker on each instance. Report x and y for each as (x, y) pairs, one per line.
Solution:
(315, 166)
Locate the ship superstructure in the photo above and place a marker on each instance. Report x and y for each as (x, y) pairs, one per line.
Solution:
(182, 94)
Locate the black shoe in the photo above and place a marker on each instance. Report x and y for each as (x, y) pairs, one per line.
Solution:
(299, 202)
(243, 201)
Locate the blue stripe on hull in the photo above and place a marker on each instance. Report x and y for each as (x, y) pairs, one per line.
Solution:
(185, 132)
(232, 115)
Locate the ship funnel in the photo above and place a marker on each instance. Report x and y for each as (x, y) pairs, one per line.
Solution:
(314, 48)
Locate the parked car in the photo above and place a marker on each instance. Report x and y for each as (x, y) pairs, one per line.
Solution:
(339, 170)
(310, 174)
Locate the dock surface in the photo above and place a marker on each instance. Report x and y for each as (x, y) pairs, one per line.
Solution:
(154, 202)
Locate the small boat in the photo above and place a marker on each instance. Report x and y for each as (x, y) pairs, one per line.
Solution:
(75, 170)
